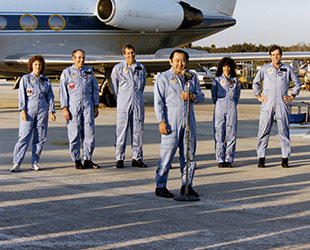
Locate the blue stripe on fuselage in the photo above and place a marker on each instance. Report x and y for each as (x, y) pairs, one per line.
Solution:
(90, 23)
(75, 22)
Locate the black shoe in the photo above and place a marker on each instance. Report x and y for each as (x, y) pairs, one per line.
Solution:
(284, 163)
(191, 191)
(90, 164)
(78, 164)
(163, 192)
(119, 164)
(138, 163)
(261, 162)
(222, 165)
(228, 165)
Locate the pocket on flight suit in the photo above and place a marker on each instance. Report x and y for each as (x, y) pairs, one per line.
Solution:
(219, 120)
(265, 109)
(25, 126)
(169, 141)
(121, 120)
(172, 96)
(42, 131)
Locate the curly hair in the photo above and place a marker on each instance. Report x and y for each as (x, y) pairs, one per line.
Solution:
(226, 61)
(36, 58)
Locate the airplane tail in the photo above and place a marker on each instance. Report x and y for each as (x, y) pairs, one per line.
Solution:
(225, 7)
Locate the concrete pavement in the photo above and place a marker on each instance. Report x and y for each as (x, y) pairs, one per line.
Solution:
(241, 208)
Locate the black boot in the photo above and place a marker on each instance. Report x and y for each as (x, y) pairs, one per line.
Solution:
(228, 164)
(119, 164)
(78, 164)
(261, 162)
(163, 192)
(90, 164)
(138, 163)
(222, 165)
(285, 163)
(191, 191)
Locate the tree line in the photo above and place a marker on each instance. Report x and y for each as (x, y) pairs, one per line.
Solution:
(249, 47)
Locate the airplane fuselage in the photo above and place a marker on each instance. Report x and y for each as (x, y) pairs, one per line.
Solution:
(58, 27)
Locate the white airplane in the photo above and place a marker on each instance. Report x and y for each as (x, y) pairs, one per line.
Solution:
(101, 27)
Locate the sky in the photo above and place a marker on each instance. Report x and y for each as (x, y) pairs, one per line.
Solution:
(282, 22)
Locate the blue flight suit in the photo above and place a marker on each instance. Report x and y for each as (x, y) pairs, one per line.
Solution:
(225, 96)
(275, 86)
(37, 99)
(79, 93)
(128, 84)
(171, 109)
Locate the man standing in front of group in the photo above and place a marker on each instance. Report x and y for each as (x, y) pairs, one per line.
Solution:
(79, 100)
(128, 81)
(170, 104)
(274, 97)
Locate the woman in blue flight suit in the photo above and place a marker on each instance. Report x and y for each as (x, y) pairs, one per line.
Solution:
(36, 99)
(225, 91)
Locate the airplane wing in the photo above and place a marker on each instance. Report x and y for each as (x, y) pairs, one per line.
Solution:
(160, 60)
(199, 57)
(153, 63)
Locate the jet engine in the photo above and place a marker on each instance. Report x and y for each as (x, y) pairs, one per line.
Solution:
(148, 15)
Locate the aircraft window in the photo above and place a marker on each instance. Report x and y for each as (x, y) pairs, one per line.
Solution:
(56, 22)
(3, 22)
(28, 22)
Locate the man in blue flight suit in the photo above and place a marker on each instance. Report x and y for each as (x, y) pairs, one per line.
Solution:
(274, 97)
(79, 100)
(128, 81)
(170, 104)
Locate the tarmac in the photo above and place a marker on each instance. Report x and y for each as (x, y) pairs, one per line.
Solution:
(244, 207)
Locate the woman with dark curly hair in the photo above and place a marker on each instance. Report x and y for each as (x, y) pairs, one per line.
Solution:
(36, 99)
(225, 91)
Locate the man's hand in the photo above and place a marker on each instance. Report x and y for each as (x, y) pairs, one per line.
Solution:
(96, 111)
(288, 99)
(163, 128)
(184, 96)
(66, 113)
(262, 99)
(53, 117)
(24, 115)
